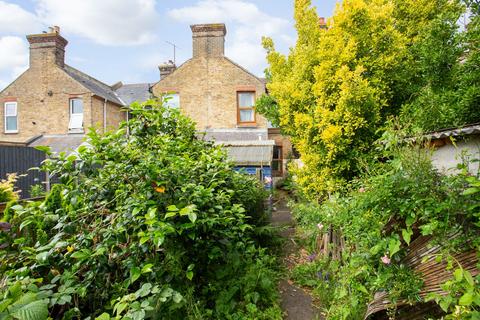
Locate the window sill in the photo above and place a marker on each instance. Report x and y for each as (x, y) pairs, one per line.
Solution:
(247, 125)
(11, 132)
(80, 130)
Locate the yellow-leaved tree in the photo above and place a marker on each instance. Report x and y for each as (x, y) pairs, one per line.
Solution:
(339, 83)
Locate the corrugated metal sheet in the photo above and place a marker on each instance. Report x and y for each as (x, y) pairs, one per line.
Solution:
(433, 274)
(249, 153)
(473, 129)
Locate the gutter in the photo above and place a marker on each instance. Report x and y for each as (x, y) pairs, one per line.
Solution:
(105, 115)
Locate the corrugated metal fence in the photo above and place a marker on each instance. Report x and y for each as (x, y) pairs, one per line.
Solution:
(18, 159)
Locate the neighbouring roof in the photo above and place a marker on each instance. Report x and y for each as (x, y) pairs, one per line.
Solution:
(60, 143)
(467, 130)
(249, 153)
(240, 134)
(462, 131)
(130, 93)
(97, 87)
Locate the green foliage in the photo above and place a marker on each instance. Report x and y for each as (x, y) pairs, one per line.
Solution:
(152, 223)
(339, 85)
(409, 196)
(37, 190)
(268, 107)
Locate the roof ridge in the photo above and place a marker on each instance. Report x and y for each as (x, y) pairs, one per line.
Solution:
(90, 77)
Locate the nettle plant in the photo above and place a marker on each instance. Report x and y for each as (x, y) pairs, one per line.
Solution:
(150, 224)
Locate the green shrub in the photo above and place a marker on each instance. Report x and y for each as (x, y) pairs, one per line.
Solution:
(412, 198)
(151, 224)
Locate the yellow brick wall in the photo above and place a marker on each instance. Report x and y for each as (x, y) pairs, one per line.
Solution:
(208, 91)
(115, 115)
(38, 111)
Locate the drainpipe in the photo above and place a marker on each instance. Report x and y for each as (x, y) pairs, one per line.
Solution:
(105, 116)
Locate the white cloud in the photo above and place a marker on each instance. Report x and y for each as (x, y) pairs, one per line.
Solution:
(13, 59)
(250, 23)
(108, 22)
(14, 19)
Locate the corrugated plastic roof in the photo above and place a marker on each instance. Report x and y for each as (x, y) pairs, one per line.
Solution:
(249, 153)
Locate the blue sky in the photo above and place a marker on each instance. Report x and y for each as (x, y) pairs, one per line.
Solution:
(125, 40)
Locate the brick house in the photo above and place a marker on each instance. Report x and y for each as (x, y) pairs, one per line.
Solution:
(219, 95)
(53, 103)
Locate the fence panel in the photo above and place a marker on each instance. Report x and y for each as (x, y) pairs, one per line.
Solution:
(18, 159)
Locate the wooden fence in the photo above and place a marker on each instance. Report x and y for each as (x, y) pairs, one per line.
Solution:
(19, 159)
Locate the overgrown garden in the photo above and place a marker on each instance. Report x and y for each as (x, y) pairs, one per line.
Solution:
(153, 224)
(348, 95)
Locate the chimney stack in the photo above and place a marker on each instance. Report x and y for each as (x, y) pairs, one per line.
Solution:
(322, 22)
(166, 68)
(208, 40)
(47, 48)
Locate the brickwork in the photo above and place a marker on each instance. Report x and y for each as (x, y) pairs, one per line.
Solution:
(208, 87)
(208, 83)
(284, 142)
(43, 94)
(43, 98)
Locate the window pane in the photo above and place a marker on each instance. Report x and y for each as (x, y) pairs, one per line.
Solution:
(172, 100)
(277, 152)
(246, 99)
(276, 165)
(77, 105)
(11, 123)
(246, 115)
(10, 109)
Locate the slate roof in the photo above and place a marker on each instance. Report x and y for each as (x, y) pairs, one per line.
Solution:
(60, 142)
(134, 92)
(95, 86)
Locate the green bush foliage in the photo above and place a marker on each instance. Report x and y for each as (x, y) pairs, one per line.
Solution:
(151, 224)
(414, 199)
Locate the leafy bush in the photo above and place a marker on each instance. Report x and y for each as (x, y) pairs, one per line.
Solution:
(407, 194)
(154, 223)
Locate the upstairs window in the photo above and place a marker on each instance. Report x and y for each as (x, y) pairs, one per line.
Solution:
(245, 104)
(11, 117)
(76, 114)
(171, 100)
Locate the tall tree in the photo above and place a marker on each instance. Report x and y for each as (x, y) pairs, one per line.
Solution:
(339, 84)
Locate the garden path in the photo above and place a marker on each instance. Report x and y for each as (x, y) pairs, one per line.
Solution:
(296, 303)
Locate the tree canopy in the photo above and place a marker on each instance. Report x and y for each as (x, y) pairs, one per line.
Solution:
(375, 59)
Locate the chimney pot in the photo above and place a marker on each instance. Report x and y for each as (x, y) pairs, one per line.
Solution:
(166, 68)
(56, 29)
(322, 22)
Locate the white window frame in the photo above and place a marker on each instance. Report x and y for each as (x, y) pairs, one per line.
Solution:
(71, 100)
(8, 116)
(169, 100)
